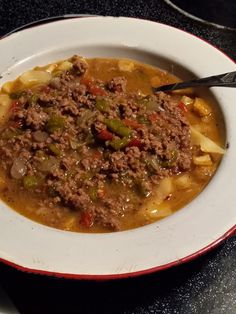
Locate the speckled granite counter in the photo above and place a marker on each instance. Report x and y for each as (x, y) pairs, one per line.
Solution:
(206, 285)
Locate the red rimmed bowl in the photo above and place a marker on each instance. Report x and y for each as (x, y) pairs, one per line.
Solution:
(191, 231)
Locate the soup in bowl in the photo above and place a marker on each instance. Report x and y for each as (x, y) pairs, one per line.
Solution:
(87, 146)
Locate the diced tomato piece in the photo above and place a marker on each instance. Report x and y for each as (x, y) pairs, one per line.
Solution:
(97, 154)
(182, 106)
(105, 135)
(16, 124)
(86, 80)
(86, 219)
(135, 142)
(132, 123)
(97, 91)
(153, 117)
(15, 105)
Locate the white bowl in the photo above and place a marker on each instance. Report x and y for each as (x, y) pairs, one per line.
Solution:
(192, 230)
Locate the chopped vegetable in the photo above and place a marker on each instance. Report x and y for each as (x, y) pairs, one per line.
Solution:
(93, 193)
(40, 136)
(204, 160)
(54, 149)
(152, 105)
(33, 77)
(87, 80)
(18, 168)
(125, 65)
(75, 144)
(149, 103)
(96, 154)
(85, 118)
(135, 142)
(55, 123)
(119, 143)
(102, 105)
(153, 164)
(8, 87)
(143, 120)
(48, 164)
(87, 176)
(153, 117)
(17, 95)
(182, 106)
(170, 162)
(142, 188)
(183, 181)
(132, 123)
(206, 144)
(161, 212)
(97, 91)
(9, 134)
(65, 66)
(86, 219)
(165, 189)
(105, 135)
(5, 103)
(69, 223)
(51, 67)
(16, 125)
(201, 107)
(118, 127)
(89, 139)
(30, 182)
(15, 105)
(187, 101)
(33, 99)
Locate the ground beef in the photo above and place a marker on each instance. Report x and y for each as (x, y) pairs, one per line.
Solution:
(92, 146)
(79, 65)
(117, 84)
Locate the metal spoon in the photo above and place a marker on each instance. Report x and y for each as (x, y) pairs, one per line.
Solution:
(226, 80)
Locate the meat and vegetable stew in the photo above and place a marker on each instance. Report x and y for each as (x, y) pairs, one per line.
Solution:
(86, 146)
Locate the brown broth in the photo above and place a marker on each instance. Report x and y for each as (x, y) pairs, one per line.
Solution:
(139, 82)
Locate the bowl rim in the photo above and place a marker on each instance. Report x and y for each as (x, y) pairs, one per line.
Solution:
(231, 232)
(176, 262)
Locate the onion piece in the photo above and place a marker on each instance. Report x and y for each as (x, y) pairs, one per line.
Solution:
(40, 136)
(18, 169)
(206, 144)
(49, 164)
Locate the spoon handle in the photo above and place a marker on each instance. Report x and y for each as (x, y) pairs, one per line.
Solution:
(226, 80)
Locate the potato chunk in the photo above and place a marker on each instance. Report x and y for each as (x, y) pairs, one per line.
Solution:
(126, 65)
(201, 107)
(204, 160)
(33, 77)
(206, 144)
(5, 103)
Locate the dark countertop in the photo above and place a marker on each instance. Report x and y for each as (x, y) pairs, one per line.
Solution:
(206, 285)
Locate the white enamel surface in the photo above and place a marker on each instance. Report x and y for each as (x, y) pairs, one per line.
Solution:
(192, 228)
